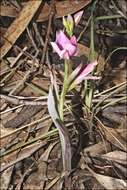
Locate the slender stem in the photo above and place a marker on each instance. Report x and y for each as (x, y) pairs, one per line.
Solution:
(89, 84)
(89, 93)
(63, 132)
(64, 90)
(113, 102)
(108, 17)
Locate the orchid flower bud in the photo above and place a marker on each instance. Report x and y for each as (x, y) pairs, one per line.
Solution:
(81, 73)
(68, 24)
(77, 17)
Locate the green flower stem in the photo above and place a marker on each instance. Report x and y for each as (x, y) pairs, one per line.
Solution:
(89, 84)
(65, 88)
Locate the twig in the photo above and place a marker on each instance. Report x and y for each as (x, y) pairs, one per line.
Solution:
(110, 94)
(110, 132)
(38, 34)
(51, 16)
(87, 24)
(21, 83)
(17, 101)
(11, 109)
(119, 11)
(22, 145)
(114, 102)
(32, 41)
(18, 57)
(109, 89)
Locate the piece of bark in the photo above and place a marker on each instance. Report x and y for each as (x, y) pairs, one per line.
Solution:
(26, 114)
(19, 25)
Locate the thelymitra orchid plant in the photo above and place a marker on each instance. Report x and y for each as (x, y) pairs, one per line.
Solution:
(65, 46)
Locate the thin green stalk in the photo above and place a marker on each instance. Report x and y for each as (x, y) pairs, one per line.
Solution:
(89, 85)
(64, 90)
(92, 54)
(107, 17)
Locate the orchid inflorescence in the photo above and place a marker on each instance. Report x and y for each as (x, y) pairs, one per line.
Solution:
(65, 46)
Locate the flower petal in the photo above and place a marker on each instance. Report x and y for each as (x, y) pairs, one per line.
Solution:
(62, 39)
(79, 80)
(78, 16)
(64, 54)
(84, 74)
(89, 68)
(73, 40)
(64, 46)
(70, 19)
(71, 49)
(56, 48)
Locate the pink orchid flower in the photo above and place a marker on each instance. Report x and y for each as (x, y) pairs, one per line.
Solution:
(81, 73)
(65, 47)
(77, 17)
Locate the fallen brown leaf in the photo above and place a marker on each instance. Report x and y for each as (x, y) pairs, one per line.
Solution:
(116, 137)
(26, 152)
(108, 182)
(5, 178)
(38, 179)
(117, 156)
(62, 7)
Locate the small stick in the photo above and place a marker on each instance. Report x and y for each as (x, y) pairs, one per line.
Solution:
(38, 34)
(21, 83)
(32, 41)
(51, 16)
(17, 101)
(18, 57)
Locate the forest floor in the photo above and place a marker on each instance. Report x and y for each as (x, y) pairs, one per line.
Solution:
(94, 111)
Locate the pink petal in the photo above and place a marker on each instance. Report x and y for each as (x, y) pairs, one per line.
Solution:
(63, 54)
(80, 79)
(62, 39)
(88, 69)
(66, 55)
(77, 17)
(73, 40)
(56, 48)
(69, 18)
(71, 49)
(92, 77)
